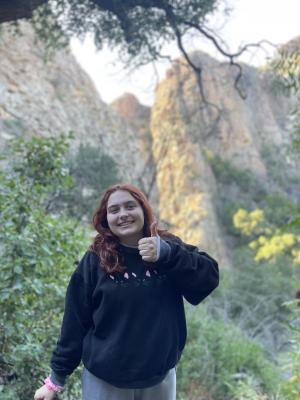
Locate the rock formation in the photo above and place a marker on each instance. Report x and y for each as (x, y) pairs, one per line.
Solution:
(184, 129)
(163, 149)
(138, 117)
(39, 97)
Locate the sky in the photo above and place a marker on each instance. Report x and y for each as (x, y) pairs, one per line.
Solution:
(249, 21)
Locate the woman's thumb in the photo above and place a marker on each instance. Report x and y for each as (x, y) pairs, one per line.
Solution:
(153, 229)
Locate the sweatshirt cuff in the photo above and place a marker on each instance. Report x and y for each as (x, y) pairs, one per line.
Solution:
(164, 250)
(58, 380)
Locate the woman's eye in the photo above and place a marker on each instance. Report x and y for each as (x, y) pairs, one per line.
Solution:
(130, 206)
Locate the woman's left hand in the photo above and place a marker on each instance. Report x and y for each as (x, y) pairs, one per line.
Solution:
(148, 245)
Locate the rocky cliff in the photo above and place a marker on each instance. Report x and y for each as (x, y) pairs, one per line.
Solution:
(138, 117)
(164, 149)
(43, 98)
(185, 129)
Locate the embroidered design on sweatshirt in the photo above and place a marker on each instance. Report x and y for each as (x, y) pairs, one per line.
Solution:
(149, 278)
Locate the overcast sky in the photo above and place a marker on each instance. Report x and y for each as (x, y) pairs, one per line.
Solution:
(250, 21)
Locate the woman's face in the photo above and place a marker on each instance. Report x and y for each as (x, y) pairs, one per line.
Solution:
(125, 217)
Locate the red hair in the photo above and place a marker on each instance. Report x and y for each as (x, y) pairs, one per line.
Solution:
(105, 244)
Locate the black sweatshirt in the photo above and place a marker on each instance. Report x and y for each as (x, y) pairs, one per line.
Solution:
(129, 328)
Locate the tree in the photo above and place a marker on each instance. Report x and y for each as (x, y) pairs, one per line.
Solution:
(137, 28)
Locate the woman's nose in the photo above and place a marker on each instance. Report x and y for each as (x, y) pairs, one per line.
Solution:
(123, 213)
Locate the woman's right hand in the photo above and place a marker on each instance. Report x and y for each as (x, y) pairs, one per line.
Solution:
(43, 393)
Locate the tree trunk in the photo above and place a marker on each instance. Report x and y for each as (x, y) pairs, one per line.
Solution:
(12, 10)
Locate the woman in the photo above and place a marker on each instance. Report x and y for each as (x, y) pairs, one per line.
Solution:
(124, 314)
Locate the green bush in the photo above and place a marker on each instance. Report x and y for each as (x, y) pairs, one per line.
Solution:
(278, 208)
(218, 357)
(290, 361)
(226, 173)
(252, 295)
(13, 126)
(38, 252)
(91, 171)
(226, 206)
(277, 167)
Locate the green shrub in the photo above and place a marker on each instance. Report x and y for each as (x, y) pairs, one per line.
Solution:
(226, 206)
(91, 171)
(278, 208)
(218, 356)
(226, 173)
(38, 252)
(252, 295)
(290, 361)
(278, 169)
(13, 126)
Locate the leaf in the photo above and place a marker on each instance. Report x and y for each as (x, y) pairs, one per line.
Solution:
(293, 222)
(4, 294)
(18, 269)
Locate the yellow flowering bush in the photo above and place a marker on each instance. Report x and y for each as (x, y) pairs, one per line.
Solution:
(249, 223)
(268, 241)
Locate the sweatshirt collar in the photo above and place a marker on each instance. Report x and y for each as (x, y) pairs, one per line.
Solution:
(128, 249)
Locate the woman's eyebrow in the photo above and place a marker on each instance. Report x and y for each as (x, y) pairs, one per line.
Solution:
(118, 205)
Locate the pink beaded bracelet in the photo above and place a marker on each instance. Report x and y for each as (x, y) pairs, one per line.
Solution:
(51, 386)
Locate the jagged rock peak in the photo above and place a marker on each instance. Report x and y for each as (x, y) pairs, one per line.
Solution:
(129, 107)
(291, 46)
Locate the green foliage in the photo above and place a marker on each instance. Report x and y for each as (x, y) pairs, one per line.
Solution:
(91, 171)
(296, 130)
(251, 223)
(48, 29)
(38, 252)
(227, 203)
(290, 389)
(226, 173)
(219, 356)
(248, 389)
(277, 167)
(13, 126)
(240, 189)
(287, 78)
(286, 67)
(290, 67)
(238, 179)
(237, 188)
(138, 29)
(268, 240)
(252, 296)
(40, 163)
(279, 208)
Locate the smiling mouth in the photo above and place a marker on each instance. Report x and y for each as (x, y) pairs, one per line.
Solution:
(126, 223)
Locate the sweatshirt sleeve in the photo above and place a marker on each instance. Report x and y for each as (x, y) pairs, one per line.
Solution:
(76, 322)
(194, 273)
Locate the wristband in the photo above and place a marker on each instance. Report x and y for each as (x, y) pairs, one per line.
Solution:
(51, 386)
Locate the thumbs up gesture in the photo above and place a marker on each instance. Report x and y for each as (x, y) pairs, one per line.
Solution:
(148, 245)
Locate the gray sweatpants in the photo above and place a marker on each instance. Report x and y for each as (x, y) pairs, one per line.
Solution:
(94, 388)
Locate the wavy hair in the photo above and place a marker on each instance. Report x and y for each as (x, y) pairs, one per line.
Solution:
(105, 243)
